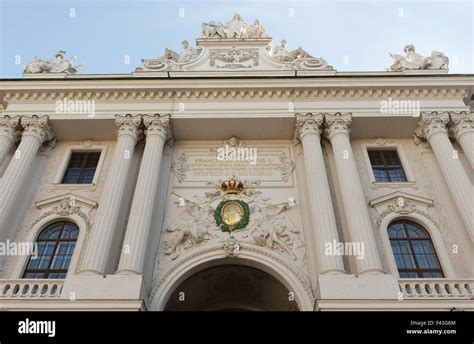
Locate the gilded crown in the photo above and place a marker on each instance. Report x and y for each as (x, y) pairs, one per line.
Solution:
(232, 186)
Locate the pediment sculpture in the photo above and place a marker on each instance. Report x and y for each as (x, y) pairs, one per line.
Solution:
(234, 46)
(171, 58)
(414, 61)
(58, 64)
(236, 28)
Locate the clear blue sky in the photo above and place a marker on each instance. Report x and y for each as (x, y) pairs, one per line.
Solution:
(350, 35)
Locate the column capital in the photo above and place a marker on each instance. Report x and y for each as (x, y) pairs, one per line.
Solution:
(10, 127)
(308, 124)
(430, 124)
(38, 127)
(461, 123)
(158, 125)
(337, 123)
(128, 124)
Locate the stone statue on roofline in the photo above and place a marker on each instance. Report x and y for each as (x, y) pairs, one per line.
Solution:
(236, 28)
(58, 64)
(279, 52)
(170, 56)
(414, 61)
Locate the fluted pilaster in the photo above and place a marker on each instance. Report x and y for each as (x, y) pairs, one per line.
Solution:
(355, 205)
(9, 134)
(134, 251)
(98, 246)
(321, 209)
(36, 131)
(432, 127)
(462, 128)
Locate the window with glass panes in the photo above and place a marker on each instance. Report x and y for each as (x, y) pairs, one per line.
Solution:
(54, 249)
(81, 168)
(386, 165)
(413, 251)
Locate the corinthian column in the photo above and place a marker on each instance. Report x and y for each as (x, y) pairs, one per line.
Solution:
(8, 134)
(462, 128)
(138, 229)
(36, 131)
(98, 246)
(324, 230)
(432, 127)
(355, 205)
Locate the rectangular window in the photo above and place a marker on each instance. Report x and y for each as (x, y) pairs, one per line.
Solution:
(386, 166)
(81, 168)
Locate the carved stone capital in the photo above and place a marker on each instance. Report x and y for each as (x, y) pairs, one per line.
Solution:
(430, 124)
(337, 123)
(158, 125)
(9, 127)
(461, 123)
(128, 125)
(307, 124)
(38, 127)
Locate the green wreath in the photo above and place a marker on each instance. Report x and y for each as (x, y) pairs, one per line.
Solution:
(241, 224)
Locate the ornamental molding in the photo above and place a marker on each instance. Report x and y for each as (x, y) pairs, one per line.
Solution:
(337, 123)
(39, 127)
(66, 205)
(461, 123)
(429, 124)
(240, 94)
(10, 127)
(402, 203)
(307, 124)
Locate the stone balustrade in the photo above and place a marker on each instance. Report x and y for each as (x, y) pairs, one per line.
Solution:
(30, 288)
(437, 288)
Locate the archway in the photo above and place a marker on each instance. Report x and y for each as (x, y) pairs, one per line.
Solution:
(231, 288)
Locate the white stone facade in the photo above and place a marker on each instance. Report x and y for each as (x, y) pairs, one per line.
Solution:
(311, 128)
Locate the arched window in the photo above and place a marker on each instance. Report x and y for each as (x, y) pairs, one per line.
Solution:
(413, 250)
(55, 246)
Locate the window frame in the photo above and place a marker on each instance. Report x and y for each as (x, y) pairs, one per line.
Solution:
(57, 243)
(418, 270)
(434, 233)
(403, 161)
(65, 162)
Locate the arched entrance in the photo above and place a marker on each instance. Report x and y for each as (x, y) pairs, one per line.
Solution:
(231, 288)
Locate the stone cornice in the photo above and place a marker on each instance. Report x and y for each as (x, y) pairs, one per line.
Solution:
(248, 93)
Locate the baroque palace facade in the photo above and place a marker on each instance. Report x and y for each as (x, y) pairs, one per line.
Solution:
(237, 174)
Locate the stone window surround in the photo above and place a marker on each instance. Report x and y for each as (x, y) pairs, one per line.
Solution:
(403, 160)
(65, 161)
(435, 236)
(22, 261)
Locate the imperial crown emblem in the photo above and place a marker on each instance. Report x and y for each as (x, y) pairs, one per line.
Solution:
(232, 186)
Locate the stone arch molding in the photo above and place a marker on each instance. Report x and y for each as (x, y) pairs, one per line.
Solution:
(249, 255)
(402, 205)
